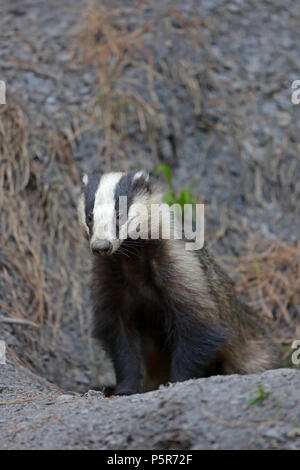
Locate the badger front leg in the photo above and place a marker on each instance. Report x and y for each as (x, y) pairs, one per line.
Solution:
(194, 347)
(122, 345)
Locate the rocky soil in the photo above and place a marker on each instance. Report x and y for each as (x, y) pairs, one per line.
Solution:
(215, 413)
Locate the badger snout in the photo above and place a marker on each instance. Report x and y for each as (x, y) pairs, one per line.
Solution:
(101, 247)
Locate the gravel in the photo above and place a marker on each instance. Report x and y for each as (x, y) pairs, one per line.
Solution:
(220, 412)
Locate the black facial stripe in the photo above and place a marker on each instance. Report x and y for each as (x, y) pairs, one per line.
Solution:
(128, 186)
(89, 193)
(124, 188)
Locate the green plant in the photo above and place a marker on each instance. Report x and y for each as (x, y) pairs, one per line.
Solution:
(287, 352)
(262, 395)
(186, 196)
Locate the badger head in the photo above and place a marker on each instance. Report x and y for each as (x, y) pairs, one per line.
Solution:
(115, 207)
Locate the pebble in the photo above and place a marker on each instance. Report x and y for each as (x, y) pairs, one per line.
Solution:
(284, 119)
(63, 398)
(294, 432)
(273, 433)
(93, 394)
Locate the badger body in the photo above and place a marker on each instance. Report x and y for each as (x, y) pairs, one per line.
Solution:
(163, 314)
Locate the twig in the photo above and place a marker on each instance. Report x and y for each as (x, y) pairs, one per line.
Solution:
(18, 321)
(10, 62)
(19, 400)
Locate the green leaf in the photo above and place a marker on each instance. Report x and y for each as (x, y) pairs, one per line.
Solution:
(186, 195)
(262, 395)
(170, 198)
(167, 171)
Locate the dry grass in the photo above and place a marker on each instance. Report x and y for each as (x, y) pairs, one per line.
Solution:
(40, 278)
(133, 71)
(269, 278)
(15, 161)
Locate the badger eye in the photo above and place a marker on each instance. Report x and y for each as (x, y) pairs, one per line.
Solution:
(90, 218)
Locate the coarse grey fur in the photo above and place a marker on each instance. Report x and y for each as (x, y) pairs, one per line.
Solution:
(163, 313)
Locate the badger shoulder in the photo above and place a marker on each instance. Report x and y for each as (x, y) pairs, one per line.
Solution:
(206, 287)
(191, 278)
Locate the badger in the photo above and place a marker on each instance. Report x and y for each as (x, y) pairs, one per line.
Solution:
(163, 313)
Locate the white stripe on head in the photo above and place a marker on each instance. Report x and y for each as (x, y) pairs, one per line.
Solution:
(104, 208)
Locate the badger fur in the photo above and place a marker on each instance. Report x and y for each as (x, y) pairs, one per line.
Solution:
(163, 314)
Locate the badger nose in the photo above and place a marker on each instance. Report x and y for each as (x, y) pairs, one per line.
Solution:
(101, 247)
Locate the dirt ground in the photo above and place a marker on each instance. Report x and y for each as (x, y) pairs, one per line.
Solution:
(202, 86)
(215, 413)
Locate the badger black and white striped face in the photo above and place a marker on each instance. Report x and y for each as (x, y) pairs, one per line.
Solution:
(109, 205)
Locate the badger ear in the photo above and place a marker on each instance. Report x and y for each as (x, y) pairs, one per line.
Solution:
(141, 181)
(146, 176)
(141, 178)
(85, 179)
(142, 175)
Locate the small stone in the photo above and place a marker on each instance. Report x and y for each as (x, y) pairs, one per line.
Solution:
(166, 151)
(93, 394)
(269, 108)
(51, 99)
(233, 8)
(294, 432)
(287, 42)
(284, 119)
(62, 398)
(273, 433)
